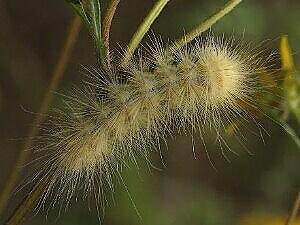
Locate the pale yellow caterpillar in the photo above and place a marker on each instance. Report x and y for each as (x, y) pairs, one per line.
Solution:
(127, 111)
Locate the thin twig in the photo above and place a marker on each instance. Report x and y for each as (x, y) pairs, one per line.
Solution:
(39, 119)
(143, 29)
(28, 204)
(107, 25)
(205, 25)
(295, 211)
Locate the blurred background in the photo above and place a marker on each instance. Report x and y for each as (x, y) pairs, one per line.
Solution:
(256, 188)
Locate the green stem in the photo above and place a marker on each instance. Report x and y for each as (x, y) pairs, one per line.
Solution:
(206, 24)
(143, 29)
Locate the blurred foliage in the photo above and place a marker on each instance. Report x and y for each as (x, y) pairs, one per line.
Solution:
(178, 203)
(265, 219)
(291, 84)
(291, 89)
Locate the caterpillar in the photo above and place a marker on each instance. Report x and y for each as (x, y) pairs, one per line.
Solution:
(129, 109)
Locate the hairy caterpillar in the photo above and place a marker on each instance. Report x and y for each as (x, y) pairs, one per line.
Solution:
(126, 111)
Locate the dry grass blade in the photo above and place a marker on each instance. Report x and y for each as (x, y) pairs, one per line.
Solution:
(295, 210)
(33, 131)
(28, 204)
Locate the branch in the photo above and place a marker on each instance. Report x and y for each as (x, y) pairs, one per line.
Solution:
(143, 29)
(107, 26)
(205, 25)
(57, 75)
(28, 204)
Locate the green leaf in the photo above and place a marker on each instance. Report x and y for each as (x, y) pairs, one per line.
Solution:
(274, 116)
(287, 128)
(95, 15)
(77, 6)
(92, 20)
(291, 132)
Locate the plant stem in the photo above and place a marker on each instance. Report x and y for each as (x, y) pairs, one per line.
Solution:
(143, 29)
(39, 119)
(295, 210)
(205, 25)
(28, 204)
(107, 25)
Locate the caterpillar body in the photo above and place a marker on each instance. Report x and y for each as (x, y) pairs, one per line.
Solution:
(126, 111)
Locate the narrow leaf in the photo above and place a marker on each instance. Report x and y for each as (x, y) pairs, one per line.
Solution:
(95, 15)
(77, 6)
(291, 132)
(285, 52)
